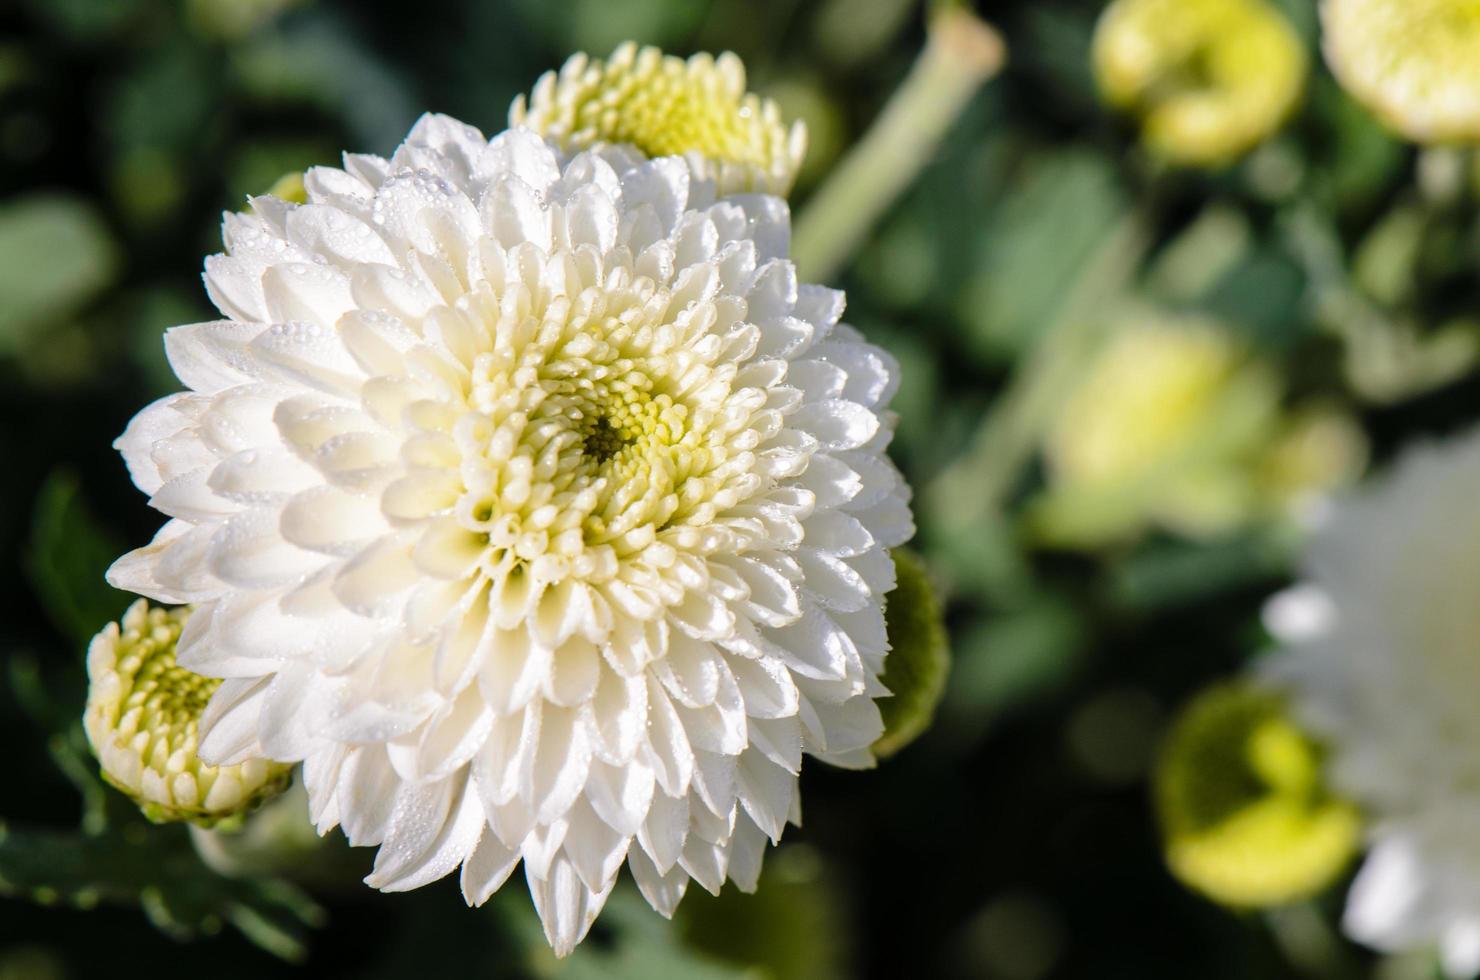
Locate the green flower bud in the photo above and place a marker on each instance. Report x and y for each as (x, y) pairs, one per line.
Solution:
(1246, 817)
(142, 715)
(919, 655)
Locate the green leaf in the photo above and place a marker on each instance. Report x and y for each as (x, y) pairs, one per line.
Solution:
(919, 656)
(155, 869)
(55, 256)
(1172, 574)
(1054, 215)
(69, 554)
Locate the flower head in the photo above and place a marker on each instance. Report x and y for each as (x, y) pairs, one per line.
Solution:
(1247, 819)
(532, 503)
(1414, 63)
(666, 106)
(142, 715)
(1210, 79)
(1381, 659)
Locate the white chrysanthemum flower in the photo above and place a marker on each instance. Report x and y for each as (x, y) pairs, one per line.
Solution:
(1414, 63)
(536, 507)
(1382, 659)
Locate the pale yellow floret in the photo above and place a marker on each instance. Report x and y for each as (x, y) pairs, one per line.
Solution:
(1209, 79)
(1414, 63)
(1246, 817)
(142, 716)
(666, 106)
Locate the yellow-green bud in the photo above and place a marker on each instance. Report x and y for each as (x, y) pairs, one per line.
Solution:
(1209, 79)
(1413, 63)
(666, 106)
(1161, 430)
(142, 715)
(289, 187)
(1246, 817)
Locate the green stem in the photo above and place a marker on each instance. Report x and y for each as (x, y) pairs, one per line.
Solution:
(974, 487)
(961, 53)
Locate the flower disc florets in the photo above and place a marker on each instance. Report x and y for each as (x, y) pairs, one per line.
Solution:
(533, 504)
(666, 106)
(142, 714)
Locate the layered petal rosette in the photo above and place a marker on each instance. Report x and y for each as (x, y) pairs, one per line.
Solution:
(532, 504)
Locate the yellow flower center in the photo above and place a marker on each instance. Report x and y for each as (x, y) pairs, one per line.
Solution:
(596, 423)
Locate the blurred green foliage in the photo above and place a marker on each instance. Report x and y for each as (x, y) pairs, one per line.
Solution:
(1014, 841)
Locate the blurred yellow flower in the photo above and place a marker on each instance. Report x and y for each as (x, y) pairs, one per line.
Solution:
(1246, 818)
(141, 718)
(1413, 63)
(1176, 424)
(1210, 79)
(666, 106)
(1154, 434)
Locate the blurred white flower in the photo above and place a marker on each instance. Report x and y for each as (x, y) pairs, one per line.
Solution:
(1381, 656)
(536, 507)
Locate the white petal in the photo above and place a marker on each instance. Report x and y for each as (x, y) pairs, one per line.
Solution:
(566, 906)
(228, 727)
(561, 763)
(665, 829)
(367, 795)
(668, 748)
(620, 795)
(747, 849)
(595, 850)
(419, 822)
(487, 868)
(662, 891)
(765, 790)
